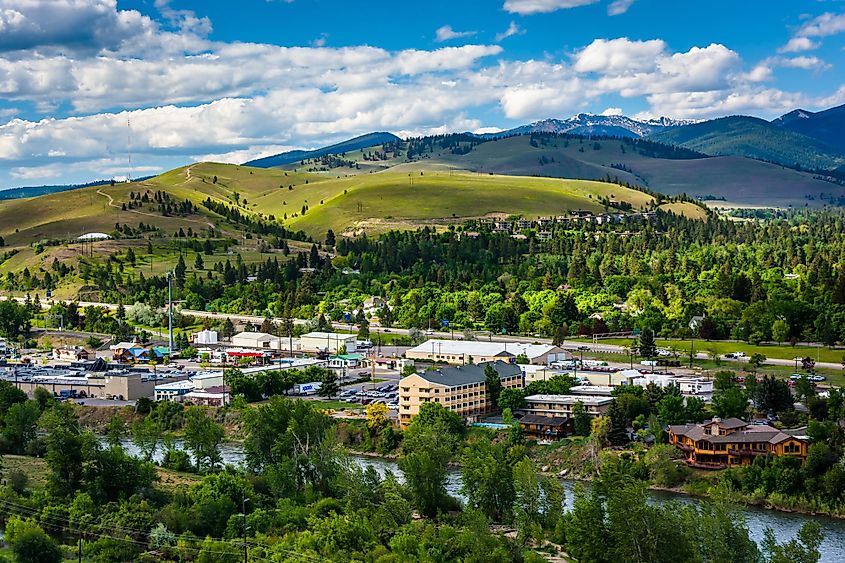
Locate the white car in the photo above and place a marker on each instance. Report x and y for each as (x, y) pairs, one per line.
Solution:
(429, 332)
(739, 354)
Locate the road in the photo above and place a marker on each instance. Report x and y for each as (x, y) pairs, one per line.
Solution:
(482, 336)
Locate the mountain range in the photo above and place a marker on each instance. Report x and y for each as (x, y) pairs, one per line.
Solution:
(588, 124)
(357, 143)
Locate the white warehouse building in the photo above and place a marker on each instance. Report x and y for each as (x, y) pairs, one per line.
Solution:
(465, 351)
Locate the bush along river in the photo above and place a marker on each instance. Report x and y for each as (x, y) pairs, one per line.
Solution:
(784, 524)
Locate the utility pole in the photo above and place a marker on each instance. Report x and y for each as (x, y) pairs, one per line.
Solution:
(170, 310)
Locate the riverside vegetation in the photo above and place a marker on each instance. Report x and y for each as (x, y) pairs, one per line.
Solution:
(298, 496)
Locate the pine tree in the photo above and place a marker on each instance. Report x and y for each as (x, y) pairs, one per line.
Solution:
(198, 263)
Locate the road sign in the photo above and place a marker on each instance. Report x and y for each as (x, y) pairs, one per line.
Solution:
(347, 317)
(444, 323)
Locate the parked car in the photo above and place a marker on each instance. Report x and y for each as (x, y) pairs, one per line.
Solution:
(817, 378)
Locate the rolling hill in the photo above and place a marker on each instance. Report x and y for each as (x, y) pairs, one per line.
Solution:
(754, 138)
(364, 141)
(739, 181)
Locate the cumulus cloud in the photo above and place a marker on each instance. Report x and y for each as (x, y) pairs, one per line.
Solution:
(798, 44)
(189, 97)
(618, 55)
(823, 26)
(527, 7)
(619, 7)
(446, 33)
(70, 24)
(512, 30)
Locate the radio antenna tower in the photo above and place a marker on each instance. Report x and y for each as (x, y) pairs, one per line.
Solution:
(129, 150)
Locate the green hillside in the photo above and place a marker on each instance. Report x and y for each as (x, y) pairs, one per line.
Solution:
(401, 200)
(754, 138)
(732, 180)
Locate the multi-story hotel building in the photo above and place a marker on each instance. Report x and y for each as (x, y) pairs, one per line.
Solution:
(460, 389)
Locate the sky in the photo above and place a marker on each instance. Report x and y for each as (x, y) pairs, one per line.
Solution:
(86, 83)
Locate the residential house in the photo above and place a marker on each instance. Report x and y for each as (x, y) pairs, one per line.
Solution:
(70, 354)
(731, 442)
(546, 427)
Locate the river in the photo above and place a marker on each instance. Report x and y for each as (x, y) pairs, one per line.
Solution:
(784, 524)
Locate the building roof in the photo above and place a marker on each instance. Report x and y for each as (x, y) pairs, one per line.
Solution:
(468, 374)
(483, 349)
(592, 390)
(176, 385)
(93, 236)
(330, 336)
(750, 434)
(255, 335)
(569, 399)
(732, 422)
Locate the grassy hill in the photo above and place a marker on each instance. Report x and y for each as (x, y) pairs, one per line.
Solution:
(738, 180)
(401, 200)
(754, 138)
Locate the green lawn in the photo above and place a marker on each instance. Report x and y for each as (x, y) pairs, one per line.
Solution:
(786, 352)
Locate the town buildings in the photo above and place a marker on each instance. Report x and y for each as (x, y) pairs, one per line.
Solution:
(730, 442)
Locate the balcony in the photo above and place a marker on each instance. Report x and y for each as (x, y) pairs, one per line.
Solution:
(706, 465)
(684, 447)
(748, 451)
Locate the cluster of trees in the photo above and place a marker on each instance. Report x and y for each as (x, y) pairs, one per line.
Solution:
(259, 386)
(299, 494)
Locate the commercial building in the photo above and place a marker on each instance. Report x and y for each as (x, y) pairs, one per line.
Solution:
(260, 340)
(689, 386)
(730, 442)
(329, 342)
(121, 384)
(562, 405)
(460, 389)
(461, 352)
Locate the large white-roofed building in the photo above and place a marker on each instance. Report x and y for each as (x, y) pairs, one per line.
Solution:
(461, 352)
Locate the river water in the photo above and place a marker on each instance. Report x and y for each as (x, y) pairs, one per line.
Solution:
(784, 524)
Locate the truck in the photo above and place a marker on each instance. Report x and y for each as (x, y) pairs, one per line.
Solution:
(307, 388)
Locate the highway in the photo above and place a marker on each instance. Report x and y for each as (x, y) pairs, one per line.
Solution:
(479, 335)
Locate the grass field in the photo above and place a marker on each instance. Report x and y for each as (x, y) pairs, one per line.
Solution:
(786, 352)
(394, 200)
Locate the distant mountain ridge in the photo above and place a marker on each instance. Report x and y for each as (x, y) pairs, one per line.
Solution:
(827, 126)
(589, 124)
(797, 139)
(354, 144)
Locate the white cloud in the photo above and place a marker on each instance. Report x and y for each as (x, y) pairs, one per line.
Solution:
(512, 30)
(185, 20)
(798, 44)
(618, 7)
(446, 33)
(527, 7)
(760, 73)
(823, 26)
(321, 40)
(807, 63)
(618, 55)
(612, 111)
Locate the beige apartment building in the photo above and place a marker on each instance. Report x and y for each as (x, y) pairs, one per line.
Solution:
(460, 389)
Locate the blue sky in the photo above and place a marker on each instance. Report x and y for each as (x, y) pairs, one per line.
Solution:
(181, 81)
